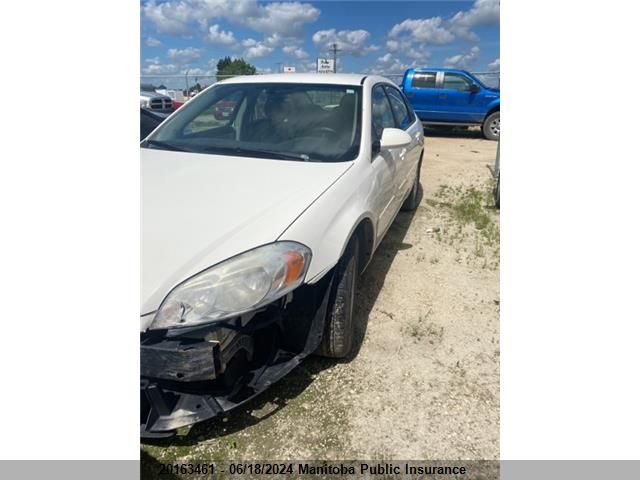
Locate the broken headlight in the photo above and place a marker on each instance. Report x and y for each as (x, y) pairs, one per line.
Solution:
(235, 286)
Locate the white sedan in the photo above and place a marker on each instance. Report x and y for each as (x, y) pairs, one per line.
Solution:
(255, 227)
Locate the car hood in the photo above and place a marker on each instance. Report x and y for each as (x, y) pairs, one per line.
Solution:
(198, 210)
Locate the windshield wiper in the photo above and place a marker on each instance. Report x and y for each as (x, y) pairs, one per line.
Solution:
(166, 145)
(267, 153)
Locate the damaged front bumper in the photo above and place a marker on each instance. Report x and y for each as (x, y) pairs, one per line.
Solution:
(193, 375)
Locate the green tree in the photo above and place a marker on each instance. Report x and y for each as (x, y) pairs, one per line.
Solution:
(237, 66)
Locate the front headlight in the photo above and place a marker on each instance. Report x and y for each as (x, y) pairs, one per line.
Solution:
(238, 285)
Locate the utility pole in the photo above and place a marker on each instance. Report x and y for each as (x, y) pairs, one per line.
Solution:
(335, 50)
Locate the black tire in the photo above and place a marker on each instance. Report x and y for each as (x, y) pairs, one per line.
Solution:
(413, 200)
(339, 339)
(491, 126)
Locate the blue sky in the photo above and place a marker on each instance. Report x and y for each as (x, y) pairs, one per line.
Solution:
(375, 36)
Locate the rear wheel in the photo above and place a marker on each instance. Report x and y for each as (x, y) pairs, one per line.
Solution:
(491, 126)
(339, 338)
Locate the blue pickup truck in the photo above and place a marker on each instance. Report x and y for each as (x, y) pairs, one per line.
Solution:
(449, 97)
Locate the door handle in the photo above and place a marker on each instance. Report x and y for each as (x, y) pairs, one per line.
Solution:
(410, 94)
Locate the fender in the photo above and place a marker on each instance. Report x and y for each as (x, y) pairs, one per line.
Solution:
(327, 226)
(493, 106)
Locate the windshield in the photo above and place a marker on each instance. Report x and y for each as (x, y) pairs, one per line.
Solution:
(291, 121)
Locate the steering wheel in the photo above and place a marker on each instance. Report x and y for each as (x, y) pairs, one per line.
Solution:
(326, 132)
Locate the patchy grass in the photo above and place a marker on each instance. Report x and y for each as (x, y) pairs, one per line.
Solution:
(423, 329)
(472, 222)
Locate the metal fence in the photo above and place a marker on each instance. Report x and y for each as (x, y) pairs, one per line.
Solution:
(186, 82)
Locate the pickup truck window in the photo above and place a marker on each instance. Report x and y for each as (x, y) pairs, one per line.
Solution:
(424, 80)
(382, 116)
(400, 112)
(455, 81)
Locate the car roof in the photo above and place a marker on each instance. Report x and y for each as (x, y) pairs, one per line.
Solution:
(322, 78)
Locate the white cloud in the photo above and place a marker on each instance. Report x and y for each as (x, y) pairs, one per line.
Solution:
(249, 42)
(156, 67)
(259, 50)
(423, 30)
(295, 52)
(408, 49)
(184, 56)
(438, 31)
(464, 60)
(153, 42)
(285, 18)
(483, 12)
(495, 65)
(216, 35)
(390, 64)
(419, 53)
(351, 42)
(169, 17)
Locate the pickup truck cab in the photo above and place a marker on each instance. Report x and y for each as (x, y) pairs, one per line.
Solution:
(450, 97)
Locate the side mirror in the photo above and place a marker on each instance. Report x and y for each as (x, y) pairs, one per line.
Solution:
(474, 88)
(394, 138)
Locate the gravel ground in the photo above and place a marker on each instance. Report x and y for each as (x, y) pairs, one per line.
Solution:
(425, 384)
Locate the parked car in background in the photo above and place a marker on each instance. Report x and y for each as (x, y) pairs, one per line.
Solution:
(149, 121)
(224, 110)
(177, 97)
(255, 229)
(450, 97)
(155, 102)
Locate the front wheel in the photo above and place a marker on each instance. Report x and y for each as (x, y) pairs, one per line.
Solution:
(491, 127)
(412, 201)
(340, 337)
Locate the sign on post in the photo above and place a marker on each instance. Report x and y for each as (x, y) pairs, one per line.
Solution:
(325, 65)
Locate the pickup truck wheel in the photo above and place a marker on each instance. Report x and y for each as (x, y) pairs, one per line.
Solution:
(491, 127)
(412, 201)
(339, 337)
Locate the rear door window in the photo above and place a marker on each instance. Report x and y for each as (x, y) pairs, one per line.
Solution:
(423, 80)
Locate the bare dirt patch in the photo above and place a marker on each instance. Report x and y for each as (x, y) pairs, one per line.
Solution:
(425, 383)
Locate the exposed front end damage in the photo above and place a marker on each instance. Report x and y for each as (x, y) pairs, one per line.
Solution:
(191, 375)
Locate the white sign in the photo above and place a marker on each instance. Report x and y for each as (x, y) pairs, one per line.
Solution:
(289, 69)
(325, 65)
